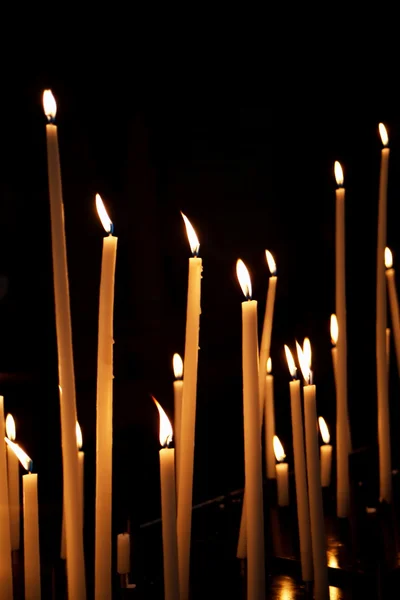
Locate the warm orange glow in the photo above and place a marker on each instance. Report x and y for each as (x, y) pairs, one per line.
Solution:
(79, 439)
(278, 449)
(177, 365)
(49, 104)
(24, 459)
(271, 262)
(192, 237)
(304, 364)
(290, 362)
(307, 351)
(165, 426)
(334, 329)
(10, 427)
(388, 258)
(323, 427)
(101, 211)
(384, 134)
(243, 276)
(269, 365)
(338, 173)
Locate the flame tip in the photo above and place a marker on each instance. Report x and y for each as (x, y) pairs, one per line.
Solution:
(103, 214)
(384, 134)
(388, 258)
(192, 236)
(243, 276)
(278, 449)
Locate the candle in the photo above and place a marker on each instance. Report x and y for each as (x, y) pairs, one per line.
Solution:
(334, 339)
(385, 468)
(31, 525)
(188, 416)
(81, 459)
(393, 303)
(178, 390)
(252, 442)
(388, 351)
(102, 583)
(303, 509)
(168, 508)
(13, 485)
(269, 420)
(6, 583)
(282, 473)
(74, 535)
(321, 588)
(326, 453)
(123, 553)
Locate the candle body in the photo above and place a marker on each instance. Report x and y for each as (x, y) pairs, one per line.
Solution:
(31, 537)
(303, 509)
(388, 352)
(74, 536)
(178, 391)
(168, 514)
(334, 364)
(270, 428)
(104, 423)
(326, 464)
(13, 494)
(252, 456)
(188, 423)
(123, 553)
(6, 584)
(321, 588)
(282, 481)
(266, 345)
(385, 462)
(81, 468)
(394, 311)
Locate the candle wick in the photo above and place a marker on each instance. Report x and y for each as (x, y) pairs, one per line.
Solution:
(111, 229)
(51, 119)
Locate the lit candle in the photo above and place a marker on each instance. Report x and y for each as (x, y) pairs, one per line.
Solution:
(74, 534)
(393, 303)
(385, 468)
(266, 346)
(6, 583)
(334, 339)
(31, 525)
(188, 416)
(178, 390)
(269, 419)
(321, 587)
(168, 508)
(252, 442)
(81, 459)
(342, 420)
(282, 473)
(303, 508)
(13, 485)
(326, 453)
(104, 434)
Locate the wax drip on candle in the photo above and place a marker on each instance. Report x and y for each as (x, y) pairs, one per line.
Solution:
(192, 237)
(49, 106)
(103, 215)
(243, 276)
(166, 436)
(22, 456)
(291, 363)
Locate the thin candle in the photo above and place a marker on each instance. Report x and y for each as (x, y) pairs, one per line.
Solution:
(81, 461)
(282, 473)
(13, 485)
(269, 423)
(334, 338)
(393, 303)
(5, 538)
(326, 453)
(177, 365)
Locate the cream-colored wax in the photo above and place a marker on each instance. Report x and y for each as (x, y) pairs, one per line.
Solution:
(168, 515)
(6, 583)
(123, 553)
(13, 494)
(31, 537)
(269, 427)
(394, 311)
(178, 392)
(326, 464)
(282, 483)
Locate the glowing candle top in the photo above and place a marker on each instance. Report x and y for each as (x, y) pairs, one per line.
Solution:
(338, 173)
(104, 218)
(177, 364)
(290, 362)
(10, 428)
(323, 427)
(384, 134)
(388, 258)
(192, 237)
(271, 262)
(269, 366)
(278, 449)
(49, 105)
(243, 276)
(79, 439)
(334, 330)
(307, 351)
(165, 426)
(24, 459)
(305, 363)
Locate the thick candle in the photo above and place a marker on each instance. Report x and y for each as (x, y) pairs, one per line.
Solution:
(178, 391)
(6, 583)
(13, 485)
(188, 418)
(123, 553)
(326, 453)
(252, 443)
(385, 461)
(393, 303)
(303, 509)
(282, 473)
(74, 535)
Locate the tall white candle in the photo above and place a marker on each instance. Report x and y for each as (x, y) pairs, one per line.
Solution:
(393, 303)
(252, 442)
(168, 508)
(13, 485)
(188, 417)
(74, 535)
(269, 427)
(282, 473)
(303, 508)
(6, 583)
(321, 587)
(385, 461)
(178, 391)
(104, 434)
(326, 453)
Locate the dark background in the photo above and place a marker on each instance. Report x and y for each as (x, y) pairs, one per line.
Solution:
(240, 131)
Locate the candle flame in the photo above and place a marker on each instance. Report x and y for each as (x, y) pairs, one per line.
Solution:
(388, 258)
(22, 456)
(323, 427)
(269, 365)
(304, 364)
(79, 439)
(243, 276)
(334, 330)
(384, 134)
(177, 364)
(192, 237)
(101, 211)
(165, 426)
(338, 173)
(10, 428)
(278, 449)
(290, 362)
(271, 262)
(307, 351)
(49, 105)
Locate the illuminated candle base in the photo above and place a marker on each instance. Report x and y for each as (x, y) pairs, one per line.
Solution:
(282, 481)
